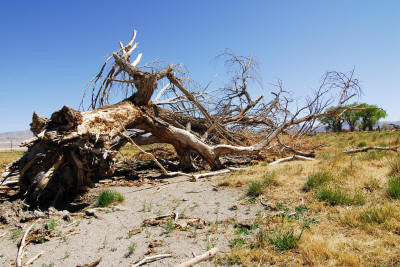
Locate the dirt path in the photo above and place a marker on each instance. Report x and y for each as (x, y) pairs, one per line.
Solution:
(207, 218)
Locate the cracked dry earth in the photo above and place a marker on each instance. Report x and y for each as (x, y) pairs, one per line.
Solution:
(203, 216)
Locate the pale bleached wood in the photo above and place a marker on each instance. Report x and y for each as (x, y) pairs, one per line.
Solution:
(295, 157)
(151, 259)
(22, 245)
(205, 256)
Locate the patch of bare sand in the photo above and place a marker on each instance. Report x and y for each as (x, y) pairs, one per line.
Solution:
(84, 240)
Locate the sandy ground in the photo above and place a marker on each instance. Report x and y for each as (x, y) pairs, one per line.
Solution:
(107, 237)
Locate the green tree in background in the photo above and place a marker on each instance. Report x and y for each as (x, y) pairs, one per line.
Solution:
(370, 116)
(352, 116)
(332, 123)
(365, 117)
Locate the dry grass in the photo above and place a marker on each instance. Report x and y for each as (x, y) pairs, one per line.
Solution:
(362, 230)
(8, 157)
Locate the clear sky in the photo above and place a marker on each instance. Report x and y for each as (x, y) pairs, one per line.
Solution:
(49, 50)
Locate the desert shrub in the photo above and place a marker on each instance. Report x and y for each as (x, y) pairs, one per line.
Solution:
(337, 196)
(255, 189)
(317, 179)
(283, 240)
(393, 189)
(131, 248)
(108, 197)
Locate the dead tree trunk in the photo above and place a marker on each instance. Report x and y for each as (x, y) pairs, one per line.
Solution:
(72, 148)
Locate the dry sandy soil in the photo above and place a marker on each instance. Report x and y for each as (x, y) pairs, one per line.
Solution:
(108, 238)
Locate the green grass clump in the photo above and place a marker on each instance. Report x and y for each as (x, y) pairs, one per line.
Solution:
(52, 224)
(317, 179)
(283, 240)
(338, 196)
(393, 189)
(362, 144)
(108, 197)
(257, 187)
(131, 248)
(170, 225)
(16, 234)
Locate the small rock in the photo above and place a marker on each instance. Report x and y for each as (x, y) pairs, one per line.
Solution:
(91, 212)
(234, 207)
(67, 217)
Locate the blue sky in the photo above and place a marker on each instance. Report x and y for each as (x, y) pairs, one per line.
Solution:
(50, 49)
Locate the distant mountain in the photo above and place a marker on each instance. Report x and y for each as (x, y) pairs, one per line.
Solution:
(13, 139)
(389, 122)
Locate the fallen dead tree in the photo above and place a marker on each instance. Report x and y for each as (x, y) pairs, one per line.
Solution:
(71, 148)
(365, 149)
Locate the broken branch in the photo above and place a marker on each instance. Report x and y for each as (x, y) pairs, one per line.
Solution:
(205, 256)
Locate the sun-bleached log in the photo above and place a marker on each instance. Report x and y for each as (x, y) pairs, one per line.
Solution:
(365, 149)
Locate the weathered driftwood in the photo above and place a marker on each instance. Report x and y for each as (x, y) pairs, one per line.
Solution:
(205, 256)
(365, 149)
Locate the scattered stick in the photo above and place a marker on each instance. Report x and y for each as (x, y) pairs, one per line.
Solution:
(3, 234)
(22, 245)
(295, 157)
(32, 260)
(365, 149)
(151, 259)
(92, 264)
(113, 208)
(208, 255)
